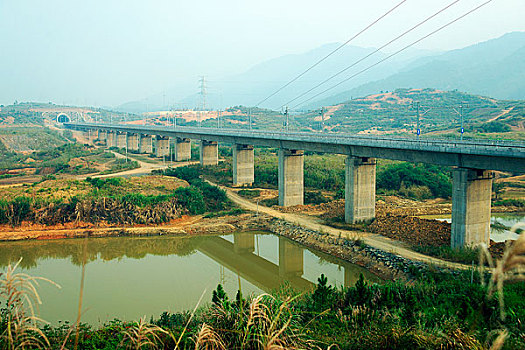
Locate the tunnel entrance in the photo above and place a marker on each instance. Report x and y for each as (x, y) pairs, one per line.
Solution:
(63, 118)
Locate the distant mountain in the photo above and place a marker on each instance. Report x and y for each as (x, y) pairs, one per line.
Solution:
(493, 68)
(261, 80)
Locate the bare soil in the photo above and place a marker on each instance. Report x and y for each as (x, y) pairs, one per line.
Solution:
(186, 225)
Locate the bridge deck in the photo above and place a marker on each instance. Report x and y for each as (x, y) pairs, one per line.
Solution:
(491, 155)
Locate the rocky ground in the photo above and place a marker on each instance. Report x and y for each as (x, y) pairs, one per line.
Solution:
(399, 219)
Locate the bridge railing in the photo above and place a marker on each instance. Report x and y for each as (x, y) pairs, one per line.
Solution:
(329, 137)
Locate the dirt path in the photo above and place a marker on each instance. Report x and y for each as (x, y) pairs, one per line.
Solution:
(144, 168)
(505, 112)
(373, 240)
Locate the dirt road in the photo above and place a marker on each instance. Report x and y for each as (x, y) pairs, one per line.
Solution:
(373, 240)
(144, 168)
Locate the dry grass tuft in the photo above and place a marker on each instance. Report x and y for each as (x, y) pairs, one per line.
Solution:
(19, 291)
(140, 335)
(208, 339)
(511, 267)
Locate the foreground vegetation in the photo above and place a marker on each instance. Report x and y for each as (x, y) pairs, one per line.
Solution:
(437, 310)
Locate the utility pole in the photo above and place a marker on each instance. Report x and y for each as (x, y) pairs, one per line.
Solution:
(286, 123)
(419, 115)
(218, 118)
(250, 117)
(322, 119)
(460, 113)
(418, 130)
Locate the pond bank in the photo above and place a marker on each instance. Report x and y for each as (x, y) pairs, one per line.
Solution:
(383, 264)
(186, 225)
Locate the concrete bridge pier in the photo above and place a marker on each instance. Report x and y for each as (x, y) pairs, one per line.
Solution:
(244, 243)
(90, 136)
(132, 142)
(94, 135)
(471, 195)
(145, 144)
(291, 177)
(209, 153)
(162, 146)
(360, 189)
(243, 165)
(291, 258)
(182, 149)
(121, 140)
(112, 139)
(103, 136)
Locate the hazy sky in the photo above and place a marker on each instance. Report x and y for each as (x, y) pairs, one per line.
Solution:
(106, 52)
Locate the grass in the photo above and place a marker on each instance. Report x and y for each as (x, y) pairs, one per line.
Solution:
(459, 255)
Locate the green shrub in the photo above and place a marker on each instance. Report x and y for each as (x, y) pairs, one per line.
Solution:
(415, 192)
(249, 193)
(314, 197)
(435, 178)
(494, 126)
(520, 203)
(191, 199)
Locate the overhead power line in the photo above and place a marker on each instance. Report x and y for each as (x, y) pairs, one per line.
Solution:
(372, 53)
(331, 53)
(395, 53)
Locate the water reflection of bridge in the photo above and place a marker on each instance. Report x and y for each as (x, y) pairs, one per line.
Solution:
(239, 257)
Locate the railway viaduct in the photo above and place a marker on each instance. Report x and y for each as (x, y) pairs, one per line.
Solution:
(473, 164)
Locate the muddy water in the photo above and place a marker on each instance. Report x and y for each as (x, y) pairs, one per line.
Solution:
(128, 278)
(497, 233)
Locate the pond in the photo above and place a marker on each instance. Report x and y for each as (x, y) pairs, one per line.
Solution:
(500, 224)
(131, 277)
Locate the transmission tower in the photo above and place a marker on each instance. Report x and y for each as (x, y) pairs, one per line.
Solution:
(203, 91)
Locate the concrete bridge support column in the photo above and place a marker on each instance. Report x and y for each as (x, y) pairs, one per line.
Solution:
(360, 189)
(88, 135)
(244, 242)
(103, 136)
(291, 177)
(121, 140)
(112, 139)
(291, 258)
(162, 146)
(132, 142)
(243, 165)
(209, 153)
(182, 149)
(471, 194)
(145, 144)
(94, 136)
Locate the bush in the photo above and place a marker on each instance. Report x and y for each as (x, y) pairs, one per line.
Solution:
(415, 192)
(249, 193)
(314, 197)
(191, 199)
(520, 203)
(17, 210)
(215, 197)
(105, 183)
(187, 173)
(436, 179)
(494, 126)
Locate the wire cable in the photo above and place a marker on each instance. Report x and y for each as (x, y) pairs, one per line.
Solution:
(395, 53)
(371, 53)
(332, 52)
